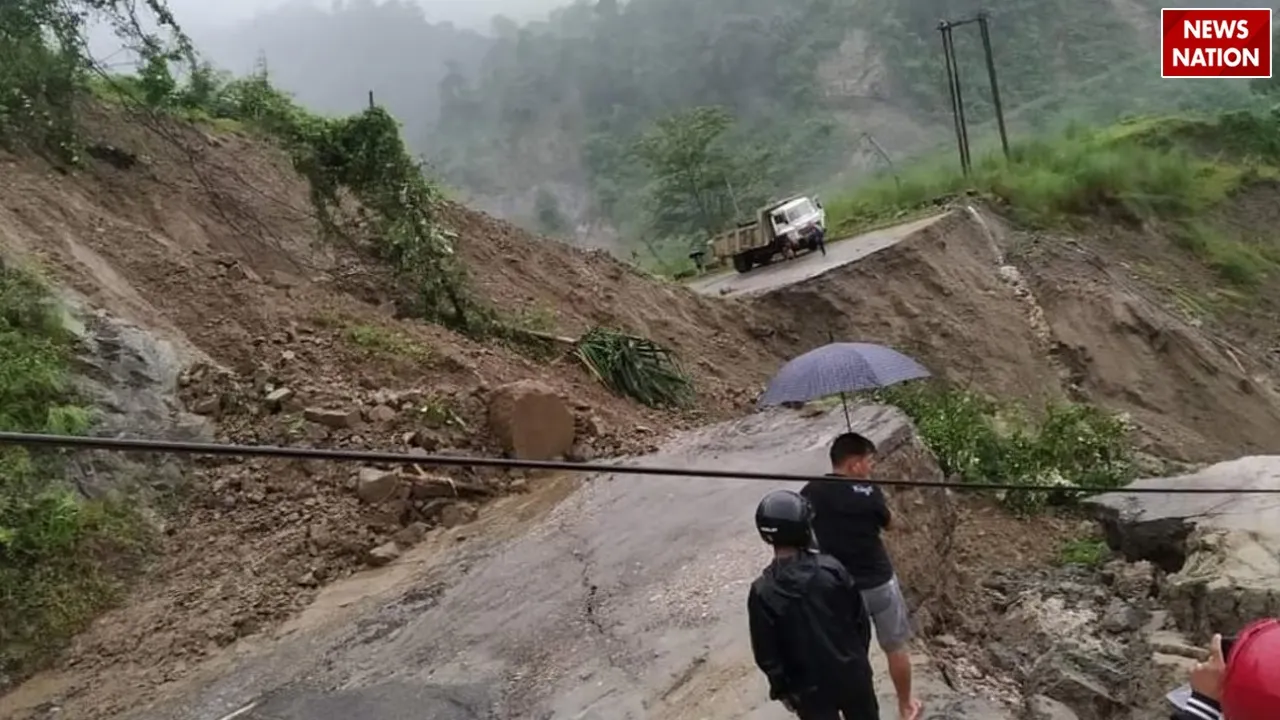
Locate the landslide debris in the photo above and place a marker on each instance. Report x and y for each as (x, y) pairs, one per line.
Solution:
(209, 245)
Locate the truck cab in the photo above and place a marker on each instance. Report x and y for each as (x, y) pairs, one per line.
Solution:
(798, 221)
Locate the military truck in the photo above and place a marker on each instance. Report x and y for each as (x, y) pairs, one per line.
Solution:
(785, 227)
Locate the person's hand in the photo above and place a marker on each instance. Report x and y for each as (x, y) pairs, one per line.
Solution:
(1206, 677)
(910, 710)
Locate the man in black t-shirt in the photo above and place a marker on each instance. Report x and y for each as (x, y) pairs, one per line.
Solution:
(848, 519)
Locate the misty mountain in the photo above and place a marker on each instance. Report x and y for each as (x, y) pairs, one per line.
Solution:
(538, 118)
(332, 58)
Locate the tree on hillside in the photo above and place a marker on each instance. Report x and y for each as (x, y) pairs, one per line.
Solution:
(691, 171)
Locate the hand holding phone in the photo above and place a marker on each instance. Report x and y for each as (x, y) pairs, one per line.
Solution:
(1206, 677)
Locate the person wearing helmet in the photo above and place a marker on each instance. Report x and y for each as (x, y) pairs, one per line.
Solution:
(809, 631)
(1242, 685)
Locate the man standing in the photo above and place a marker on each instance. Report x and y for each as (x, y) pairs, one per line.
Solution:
(848, 519)
(809, 631)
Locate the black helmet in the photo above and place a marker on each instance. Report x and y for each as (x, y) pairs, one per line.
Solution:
(783, 519)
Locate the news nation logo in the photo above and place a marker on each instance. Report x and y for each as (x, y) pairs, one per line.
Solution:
(1215, 42)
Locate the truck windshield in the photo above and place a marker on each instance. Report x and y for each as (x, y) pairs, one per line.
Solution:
(799, 212)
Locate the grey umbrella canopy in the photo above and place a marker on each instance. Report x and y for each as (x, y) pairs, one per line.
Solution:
(840, 368)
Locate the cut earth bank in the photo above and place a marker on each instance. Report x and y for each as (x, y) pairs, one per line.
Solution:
(202, 281)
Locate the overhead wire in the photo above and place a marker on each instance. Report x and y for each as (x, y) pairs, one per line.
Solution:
(462, 461)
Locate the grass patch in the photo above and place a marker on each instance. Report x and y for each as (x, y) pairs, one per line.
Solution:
(1084, 552)
(374, 340)
(1068, 447)
(61, 556)
(1171, 169)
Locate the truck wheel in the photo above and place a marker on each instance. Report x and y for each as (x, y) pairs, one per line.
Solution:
(741, 263)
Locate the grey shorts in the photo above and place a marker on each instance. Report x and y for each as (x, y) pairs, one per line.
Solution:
(889, 614)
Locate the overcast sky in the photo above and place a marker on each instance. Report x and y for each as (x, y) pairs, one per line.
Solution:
(470, 13)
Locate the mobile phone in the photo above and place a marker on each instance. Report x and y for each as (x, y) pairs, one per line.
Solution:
(1179, 696)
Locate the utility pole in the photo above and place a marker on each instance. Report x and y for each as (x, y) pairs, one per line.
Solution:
(945, 28)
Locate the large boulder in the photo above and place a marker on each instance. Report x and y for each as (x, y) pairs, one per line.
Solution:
(531, 421)
(1221, 551)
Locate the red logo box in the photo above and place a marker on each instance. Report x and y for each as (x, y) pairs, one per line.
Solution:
(1215, 42)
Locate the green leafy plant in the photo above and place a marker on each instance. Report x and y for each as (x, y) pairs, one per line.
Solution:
(635, 367)
(1072, 447)
(1086, 552)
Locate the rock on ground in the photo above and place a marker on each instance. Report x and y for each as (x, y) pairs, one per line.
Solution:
(531, 421)
(1221, 551)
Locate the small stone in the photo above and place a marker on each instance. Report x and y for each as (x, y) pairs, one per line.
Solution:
(383, 554)
(278, 397)
(338, 419)
(1046, 708)
(1121, 617)
(411, 535)
(381, 414)
(374, 486)
(207, 406)
(458, 514)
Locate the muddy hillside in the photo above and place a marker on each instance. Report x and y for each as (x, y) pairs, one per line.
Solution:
(1116, 316)
(207, 306)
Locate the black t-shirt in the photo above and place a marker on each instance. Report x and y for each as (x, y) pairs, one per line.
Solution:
(848, 517)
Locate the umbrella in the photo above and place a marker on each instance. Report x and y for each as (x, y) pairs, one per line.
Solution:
(840, 368)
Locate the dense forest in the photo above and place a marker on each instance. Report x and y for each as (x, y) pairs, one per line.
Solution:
(556, 123)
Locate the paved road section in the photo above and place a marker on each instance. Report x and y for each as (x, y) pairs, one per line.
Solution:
(810, 265)
(626, 601)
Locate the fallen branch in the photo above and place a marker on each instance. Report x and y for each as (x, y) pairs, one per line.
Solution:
(440, 486)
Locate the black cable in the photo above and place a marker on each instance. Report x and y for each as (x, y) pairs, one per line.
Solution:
(302, 453)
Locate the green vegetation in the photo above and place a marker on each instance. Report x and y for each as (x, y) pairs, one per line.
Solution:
(1170, 171)
(1068, 446)
(60, 555)
(636, 368)
(1085, 552)
(382, 341)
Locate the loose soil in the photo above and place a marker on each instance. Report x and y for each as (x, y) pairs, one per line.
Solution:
(208, 241)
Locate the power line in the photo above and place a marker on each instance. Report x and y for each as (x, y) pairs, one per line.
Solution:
(369, 456)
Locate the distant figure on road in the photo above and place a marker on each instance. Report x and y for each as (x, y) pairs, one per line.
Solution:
(809, 631)
(848, 520)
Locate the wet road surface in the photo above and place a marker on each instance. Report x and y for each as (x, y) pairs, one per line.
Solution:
(626, 600)
(810, 265)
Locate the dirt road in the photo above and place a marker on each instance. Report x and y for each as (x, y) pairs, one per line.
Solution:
(625, 601)
(810, 265)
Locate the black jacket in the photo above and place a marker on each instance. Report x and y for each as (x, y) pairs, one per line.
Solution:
(809, 630)
(1199, 707)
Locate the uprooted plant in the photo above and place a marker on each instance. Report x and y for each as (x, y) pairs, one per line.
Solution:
(635, 367)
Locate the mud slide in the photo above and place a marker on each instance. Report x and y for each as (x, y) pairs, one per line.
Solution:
(625, 601)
